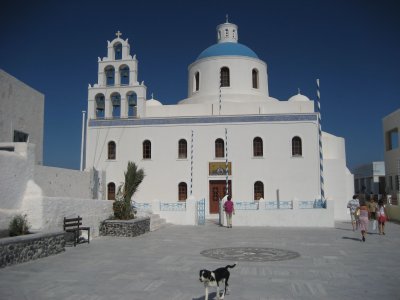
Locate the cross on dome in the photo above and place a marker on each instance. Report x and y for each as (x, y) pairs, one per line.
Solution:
(118, 33)
(227, 18)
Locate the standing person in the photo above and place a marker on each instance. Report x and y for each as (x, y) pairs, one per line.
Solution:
(363, 219)
(382, 216)
(352, 205)
(372, 208)
(229, 210)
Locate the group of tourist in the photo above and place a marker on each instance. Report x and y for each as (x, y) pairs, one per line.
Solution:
(363, 212)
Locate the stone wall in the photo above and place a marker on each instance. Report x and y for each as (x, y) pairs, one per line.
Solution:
(19, 249)
(127, 228)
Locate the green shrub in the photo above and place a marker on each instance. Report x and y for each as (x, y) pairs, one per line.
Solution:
(122, 205)
(19, 225)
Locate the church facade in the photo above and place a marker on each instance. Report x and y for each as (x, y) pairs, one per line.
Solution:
(228, 136)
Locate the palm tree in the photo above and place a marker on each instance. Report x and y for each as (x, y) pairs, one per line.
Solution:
(133, 178)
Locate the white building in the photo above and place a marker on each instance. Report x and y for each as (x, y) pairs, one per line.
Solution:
(391, 128)
(370, 178)
(21, 114)
(228, 122)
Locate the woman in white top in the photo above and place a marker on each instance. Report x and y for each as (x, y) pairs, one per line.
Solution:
(382, 216)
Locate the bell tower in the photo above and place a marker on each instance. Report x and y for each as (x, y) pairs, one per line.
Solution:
(117, 93)
(227, 32)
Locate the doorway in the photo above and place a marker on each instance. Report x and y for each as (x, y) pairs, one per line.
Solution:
(217, 192)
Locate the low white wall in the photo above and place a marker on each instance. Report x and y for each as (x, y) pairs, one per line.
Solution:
(58, 182)
(47, 213)
(187, 217)
(295, 217)
(310, 217)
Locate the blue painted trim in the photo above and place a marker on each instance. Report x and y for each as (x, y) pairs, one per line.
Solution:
(203, 120)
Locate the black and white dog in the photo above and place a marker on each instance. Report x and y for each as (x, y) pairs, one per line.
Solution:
(215, 278)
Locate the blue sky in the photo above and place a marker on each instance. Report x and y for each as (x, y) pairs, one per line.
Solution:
(352, 46)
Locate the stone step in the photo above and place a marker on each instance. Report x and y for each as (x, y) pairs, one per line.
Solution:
(156, 222)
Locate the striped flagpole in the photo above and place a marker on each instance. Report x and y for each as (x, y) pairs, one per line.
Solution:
(321, 157)
(191, 166)
(226, 162)
(220, 98)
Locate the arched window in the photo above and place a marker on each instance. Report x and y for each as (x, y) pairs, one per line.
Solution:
(182, 191)
(116, 105)
(219, 148)
(100, 105)
(110, 75)
(296, 146)
(197, 81)
(254, 74)
(118, 51)
(112, 150)
(257, 147)
(258, 190)
(124, 73)
(146, 149)
(182, 149)
(132, 104)
(111, 191)
(226, 32)
(225, 81)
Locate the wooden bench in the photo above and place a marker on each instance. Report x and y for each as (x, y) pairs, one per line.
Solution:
(74, 225)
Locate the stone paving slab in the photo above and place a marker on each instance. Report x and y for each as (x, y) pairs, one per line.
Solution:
(164, 265)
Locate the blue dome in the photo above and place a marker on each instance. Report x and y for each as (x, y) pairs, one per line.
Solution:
(224, 49)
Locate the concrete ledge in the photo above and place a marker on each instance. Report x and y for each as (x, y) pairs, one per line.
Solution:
(23, 248)
(126, 228)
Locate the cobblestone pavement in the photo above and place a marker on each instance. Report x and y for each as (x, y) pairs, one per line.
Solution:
(332, 263)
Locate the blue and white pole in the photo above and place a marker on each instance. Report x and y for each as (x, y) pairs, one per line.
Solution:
(226, 163)
(321, 157)
(191, 166)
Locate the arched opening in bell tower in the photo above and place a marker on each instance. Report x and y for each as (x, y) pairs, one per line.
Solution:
(116, 105)
(117, 51)
(99, 106)
(124, 73)
(110, 75)
(132, 104)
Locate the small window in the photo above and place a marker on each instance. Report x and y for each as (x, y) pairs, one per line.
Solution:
(118, 51)
(146, 149)
(111, 191)
(182, 149)
(255, 78)
(296, 146)
(257, 147)
(226, 33)
(111, 150)
(219, 148)
(258, 190)
(182, 191)
(225, 80)
(392, 139)
(396, 183)
(197, 81)
(20, 137)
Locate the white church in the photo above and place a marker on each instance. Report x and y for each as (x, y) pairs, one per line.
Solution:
(228, 135)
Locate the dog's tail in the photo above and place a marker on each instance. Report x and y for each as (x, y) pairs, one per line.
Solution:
(230, 266)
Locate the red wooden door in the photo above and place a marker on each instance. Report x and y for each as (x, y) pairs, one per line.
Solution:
(217, 192)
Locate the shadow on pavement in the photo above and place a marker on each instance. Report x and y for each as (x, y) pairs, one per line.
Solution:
(351, 238)
(210, 296)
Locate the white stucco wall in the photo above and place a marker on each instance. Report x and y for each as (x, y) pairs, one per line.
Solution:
(58, 182)
(22, 109)
(47, 213)
(17, 168)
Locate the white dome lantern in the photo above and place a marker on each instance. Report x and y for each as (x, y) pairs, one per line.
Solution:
(298, 98)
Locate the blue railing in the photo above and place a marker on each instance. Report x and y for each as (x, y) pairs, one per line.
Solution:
(180, 206)
(141, 206)
(246, 205)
